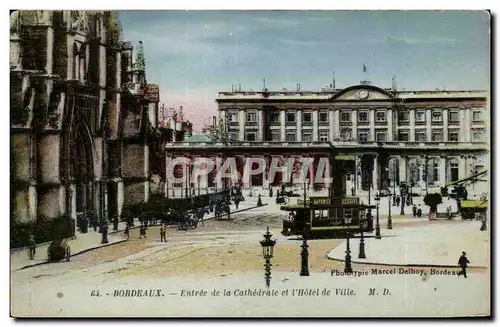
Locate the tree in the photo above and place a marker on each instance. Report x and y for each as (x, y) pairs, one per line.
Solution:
(433, 200)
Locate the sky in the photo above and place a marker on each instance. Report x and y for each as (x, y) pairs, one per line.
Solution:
(193, 55)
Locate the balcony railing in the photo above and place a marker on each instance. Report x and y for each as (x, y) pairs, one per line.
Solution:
(336, 144)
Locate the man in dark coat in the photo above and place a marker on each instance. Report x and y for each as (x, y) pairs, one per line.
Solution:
(462, 263)
(414, 209)
(419, 211)
(398, 201)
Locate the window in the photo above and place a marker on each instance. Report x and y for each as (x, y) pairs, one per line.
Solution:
(453, 116)
(323, 117)
(232, 136)
(251, 117)
(306, 117)
(381, 116)
(363, 116)
(421, 137)
(275, 117)
(437, 115)
(275, 136)
(404, 136)
(250, 136)
(404, 116)
(477, 135)
(233, 117)
(306, 137)
(290, 137)
(345, 116)
(453, 136)
(477, 116)
(380, 136)
(420, 116)
(323, 136)
(290, 117)
(437, 136)
(362, 136)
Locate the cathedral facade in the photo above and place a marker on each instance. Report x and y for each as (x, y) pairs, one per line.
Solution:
(84, 129)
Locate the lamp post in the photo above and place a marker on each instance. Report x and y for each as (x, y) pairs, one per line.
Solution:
(267, 253)
(304, 269)
(348, 264)
(362, 254)
(377, 227)
(389, 218)
(187, 182)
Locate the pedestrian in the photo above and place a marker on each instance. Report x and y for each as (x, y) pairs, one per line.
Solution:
(237, 202)
(419, 212)
(462, 263)
(398, 200)
(163, 234)
(259, 202)
(127, 231)
(483, 222)
(270, 192)
(142, 232)
(32, 247)
(414, 209)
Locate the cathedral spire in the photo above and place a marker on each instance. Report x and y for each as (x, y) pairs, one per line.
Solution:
(140, 61)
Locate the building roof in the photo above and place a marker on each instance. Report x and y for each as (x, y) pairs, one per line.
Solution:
(199, 138)
(345, 94)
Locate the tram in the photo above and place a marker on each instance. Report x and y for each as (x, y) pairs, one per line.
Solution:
(325, 217)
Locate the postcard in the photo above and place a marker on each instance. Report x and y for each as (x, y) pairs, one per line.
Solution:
(250, 164)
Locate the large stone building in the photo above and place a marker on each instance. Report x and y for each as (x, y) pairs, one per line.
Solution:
(389, 135)
(83, 118)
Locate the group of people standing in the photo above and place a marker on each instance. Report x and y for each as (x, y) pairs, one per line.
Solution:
(143, 232)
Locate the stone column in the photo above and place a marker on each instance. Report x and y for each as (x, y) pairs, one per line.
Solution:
(265, 174)
(428, 124)
(442, 170)
(372, 137)
(260, 122)
(357, 179)
(462, 131)
(15, 52)
(375, 172)
(49, 64)
(412, 125)
(390, 128)
(354, 124)
(403, 161)
(315, 136)
(333, 122)
(445, 125)
(118, 69)
(467, 125)
(299, 125)
(241, 122)
(102, 66)
(282, 125)
(336, 123)
(462, 167)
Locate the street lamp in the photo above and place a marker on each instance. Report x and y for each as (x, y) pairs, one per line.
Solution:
(389, 218)
(362, 254)
(348, 265)
(377, 227)
(304, 270)
(267, 252)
